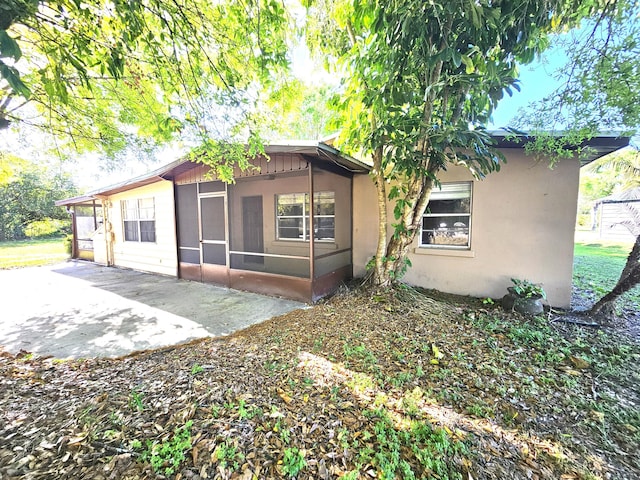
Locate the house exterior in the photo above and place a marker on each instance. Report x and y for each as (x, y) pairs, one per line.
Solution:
(283, 228)
(305, 221)
(614, 215)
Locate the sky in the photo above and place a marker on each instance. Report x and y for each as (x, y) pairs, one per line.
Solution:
(536, 82)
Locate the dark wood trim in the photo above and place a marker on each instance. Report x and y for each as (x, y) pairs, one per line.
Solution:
(215, 273)
(330, 282)
(271, 284)
(337, 252)
(312, 235)
(190, 271)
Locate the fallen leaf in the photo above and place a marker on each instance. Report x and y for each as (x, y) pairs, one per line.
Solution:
(579, 362)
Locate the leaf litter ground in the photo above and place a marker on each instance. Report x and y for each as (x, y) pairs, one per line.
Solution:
(406, 384)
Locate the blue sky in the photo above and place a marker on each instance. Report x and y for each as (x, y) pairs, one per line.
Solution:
(536, 81)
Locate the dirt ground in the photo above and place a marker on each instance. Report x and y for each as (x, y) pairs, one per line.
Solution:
(397, 385)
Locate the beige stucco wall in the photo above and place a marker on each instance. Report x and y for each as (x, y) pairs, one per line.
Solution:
(159, 257)
(522, 226)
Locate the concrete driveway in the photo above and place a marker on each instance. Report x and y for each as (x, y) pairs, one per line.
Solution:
(79, 309)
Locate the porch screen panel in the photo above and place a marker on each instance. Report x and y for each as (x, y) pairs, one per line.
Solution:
(188, 235)
(214, 248)
(276, 264)
(213, 218)
(210, 187)
(86, 225)
(332, 218)
(213, 253)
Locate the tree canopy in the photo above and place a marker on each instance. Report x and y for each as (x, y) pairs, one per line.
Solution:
(28, 193)
(421, 80)
(100, 72)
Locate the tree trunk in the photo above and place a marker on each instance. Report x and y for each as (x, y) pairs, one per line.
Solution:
(632, 259)
(379, 181)
(629, 278)
(391, 257)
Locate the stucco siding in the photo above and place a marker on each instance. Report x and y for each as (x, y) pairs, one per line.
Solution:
(522, 225)
(159, 256)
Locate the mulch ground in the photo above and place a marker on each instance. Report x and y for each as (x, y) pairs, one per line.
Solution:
(398, 385)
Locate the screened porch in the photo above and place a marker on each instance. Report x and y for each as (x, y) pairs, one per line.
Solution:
(283, 229)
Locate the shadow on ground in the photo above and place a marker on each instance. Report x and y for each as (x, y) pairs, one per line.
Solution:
(79, 309)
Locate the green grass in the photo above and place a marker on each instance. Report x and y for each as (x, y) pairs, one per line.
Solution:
(28, 253)
(596, 269)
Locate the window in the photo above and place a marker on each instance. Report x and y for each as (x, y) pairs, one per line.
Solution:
(447, 222)
(292, 216)
(139, 220)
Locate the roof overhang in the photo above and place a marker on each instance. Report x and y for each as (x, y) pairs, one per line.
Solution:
(320, 152)
(598, 146)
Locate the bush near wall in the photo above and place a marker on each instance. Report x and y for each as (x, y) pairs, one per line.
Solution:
(49, 227)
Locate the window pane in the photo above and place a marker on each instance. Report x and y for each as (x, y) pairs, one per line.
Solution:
(290, 210)
(449, 230)
(291, 203)
(324, 203)
(324, 228)
(131, 231)
(461, 205)
(130, 209)
(147, 231)
(146, 209)
(448, 191)
(290, 228)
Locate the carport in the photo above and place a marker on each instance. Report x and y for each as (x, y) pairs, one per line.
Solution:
(80, 309)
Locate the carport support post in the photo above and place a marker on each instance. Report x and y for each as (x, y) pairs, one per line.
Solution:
(311, 231)
(74, 233)
(95, 220)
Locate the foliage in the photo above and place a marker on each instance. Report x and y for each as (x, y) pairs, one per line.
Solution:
(166, 457)
(420, 81)
(527, 289)
(95, 69)
(196, 368)
(28, 253)
(627, 168)
(27, 195)
(484, 411)
(596, 269)
(228, 455)
(599, 85)
(293, 462)
(47, 228)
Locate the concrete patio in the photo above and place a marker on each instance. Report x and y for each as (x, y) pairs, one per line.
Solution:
(79, 309)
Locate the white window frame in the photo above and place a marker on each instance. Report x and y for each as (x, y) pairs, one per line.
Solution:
(449, 191)
(305, 217)
(132, 211)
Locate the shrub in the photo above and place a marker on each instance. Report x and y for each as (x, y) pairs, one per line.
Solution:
(48, 227)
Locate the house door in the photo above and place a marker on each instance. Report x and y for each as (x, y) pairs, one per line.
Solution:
(213, 240)
(252, 232)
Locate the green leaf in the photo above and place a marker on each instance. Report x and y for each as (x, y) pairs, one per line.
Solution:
(12, 77)
(9, 48)
(456, 58)
(468, 63)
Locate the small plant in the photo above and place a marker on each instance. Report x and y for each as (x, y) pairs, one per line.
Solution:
(167, 456)
(228, 455)
(527, 289)
(293, 461)
(488, 301)
(135, 400)
(196, 369)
